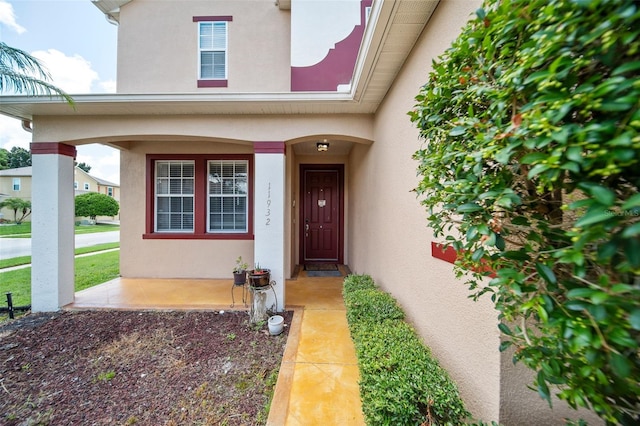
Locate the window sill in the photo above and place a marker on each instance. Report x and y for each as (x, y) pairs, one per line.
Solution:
(212, 83)
(184, 236)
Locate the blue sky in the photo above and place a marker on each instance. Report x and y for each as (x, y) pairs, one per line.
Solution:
(77, 45)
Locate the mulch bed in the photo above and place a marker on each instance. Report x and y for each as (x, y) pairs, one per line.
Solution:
(143, 368)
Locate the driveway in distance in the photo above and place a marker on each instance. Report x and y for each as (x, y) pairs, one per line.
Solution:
(16, 247)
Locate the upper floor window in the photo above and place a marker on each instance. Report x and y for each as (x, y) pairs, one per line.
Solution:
(75, 184)
(86, 186)
(110, 191)
(212, 50)
(16, 184)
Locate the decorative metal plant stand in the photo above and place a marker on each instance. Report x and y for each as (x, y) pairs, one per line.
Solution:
(245, 291)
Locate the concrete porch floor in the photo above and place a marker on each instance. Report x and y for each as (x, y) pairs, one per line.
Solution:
(318, 379)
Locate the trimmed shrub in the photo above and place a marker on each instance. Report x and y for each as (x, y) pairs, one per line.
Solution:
(358, 282)
(371, 305)
(401, 383)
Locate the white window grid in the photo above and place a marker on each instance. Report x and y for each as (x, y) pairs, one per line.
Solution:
(16, 184)
(212, 50)
(228, 201)
(175, 196)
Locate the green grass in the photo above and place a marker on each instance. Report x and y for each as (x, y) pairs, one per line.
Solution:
(24, 229)
(25, 260)
(89, 271)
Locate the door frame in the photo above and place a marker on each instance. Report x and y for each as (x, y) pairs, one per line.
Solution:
(339, 168)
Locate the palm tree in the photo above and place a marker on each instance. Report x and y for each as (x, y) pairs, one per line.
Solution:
(17, 204)
(22, 73)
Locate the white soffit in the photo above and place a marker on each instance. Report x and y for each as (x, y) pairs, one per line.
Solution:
(110, 8)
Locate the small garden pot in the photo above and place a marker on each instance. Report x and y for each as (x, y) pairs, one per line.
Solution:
(239, 278)
(276, 325)
(259, 279)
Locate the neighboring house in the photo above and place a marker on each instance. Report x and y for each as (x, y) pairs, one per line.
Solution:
(278, 131)
(83, 182)
(16, 183)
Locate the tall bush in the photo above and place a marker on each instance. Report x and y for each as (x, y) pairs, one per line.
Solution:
(94, 204)
(531, 169)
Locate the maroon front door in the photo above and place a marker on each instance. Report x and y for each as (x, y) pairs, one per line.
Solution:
(321, 213)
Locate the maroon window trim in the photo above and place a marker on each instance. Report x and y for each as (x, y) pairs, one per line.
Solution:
(200, 198)
(53, 148)
(212, 83)
(227, 18)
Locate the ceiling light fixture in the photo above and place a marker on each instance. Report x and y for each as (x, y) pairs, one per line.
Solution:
(322, 146)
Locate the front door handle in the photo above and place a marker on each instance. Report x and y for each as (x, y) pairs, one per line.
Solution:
(306, 227)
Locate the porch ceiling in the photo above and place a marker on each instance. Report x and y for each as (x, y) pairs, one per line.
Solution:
(394, 26)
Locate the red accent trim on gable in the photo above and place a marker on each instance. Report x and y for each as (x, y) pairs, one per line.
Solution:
(200, 194)
(337, 67)
(213, 83)
(227, 18)
(448, 254)
(269, 147)
(53, 148)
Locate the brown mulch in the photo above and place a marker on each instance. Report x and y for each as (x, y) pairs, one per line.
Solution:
(142, 368)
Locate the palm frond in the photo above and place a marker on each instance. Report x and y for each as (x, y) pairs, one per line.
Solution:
(22, 73)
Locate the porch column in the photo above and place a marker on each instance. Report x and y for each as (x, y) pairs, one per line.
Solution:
(52, 226)
(269, 206)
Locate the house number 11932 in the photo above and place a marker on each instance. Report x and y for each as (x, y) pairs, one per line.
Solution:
(268, 220)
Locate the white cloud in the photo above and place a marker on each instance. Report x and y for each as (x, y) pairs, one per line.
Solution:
(104, 161)
(73, 74)
(12, 134)
(108, 86)
(8, 17)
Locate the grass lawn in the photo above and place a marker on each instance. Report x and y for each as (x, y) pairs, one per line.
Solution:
(24, 229)
(90, 271)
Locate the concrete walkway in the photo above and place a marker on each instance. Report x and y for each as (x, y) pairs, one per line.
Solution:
(318, 380)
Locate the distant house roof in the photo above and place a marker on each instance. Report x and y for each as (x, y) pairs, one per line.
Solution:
(28, 171)
(20, 171)
(104, 182)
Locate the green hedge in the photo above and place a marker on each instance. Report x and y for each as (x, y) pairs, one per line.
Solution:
(401, 383)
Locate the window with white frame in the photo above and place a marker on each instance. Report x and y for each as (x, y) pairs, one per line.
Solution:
(175, 195)
(87, 186)
(16, 184)
(199, 196)
(75, 184)
(227, 196)
(212, 49)
(110, 191)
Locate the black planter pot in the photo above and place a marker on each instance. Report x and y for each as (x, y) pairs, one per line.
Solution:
(259, 279)
(240, 278)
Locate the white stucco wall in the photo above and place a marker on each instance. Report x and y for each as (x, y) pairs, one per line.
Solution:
(390, 240)
(258, 46)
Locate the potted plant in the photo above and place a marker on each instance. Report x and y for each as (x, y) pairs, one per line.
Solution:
(259, 277)
(240, 272)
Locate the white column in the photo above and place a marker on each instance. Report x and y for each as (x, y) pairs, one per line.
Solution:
(52, 226)
(269, 206)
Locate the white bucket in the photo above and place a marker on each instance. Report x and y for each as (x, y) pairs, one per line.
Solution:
(276, 324)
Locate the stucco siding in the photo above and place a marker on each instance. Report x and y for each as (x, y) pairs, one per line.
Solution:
(171, 258)
(258, 46)
(392, 243)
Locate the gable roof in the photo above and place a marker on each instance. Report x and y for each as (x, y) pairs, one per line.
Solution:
(394, 27)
